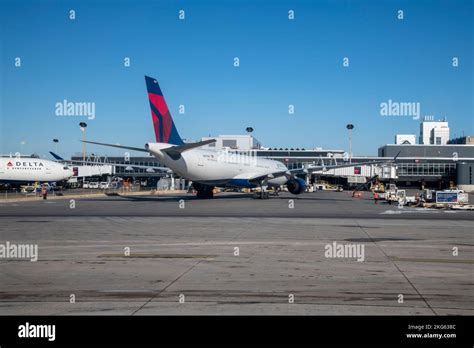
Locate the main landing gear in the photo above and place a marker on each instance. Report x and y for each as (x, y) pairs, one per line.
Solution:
(204, 191)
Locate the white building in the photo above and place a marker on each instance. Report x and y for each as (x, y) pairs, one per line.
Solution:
(434, 133)
(405, 139)
(234, 142)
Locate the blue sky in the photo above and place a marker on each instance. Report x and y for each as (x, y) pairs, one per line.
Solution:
(282, 62)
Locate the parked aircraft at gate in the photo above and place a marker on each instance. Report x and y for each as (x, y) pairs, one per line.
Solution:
(26, 170)
(208, 168)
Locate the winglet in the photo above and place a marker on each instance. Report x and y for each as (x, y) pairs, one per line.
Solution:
(56, 157)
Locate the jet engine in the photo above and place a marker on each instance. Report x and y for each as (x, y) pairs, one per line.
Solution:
(296, 186)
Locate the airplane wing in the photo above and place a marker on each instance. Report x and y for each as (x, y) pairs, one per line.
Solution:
(292, 172)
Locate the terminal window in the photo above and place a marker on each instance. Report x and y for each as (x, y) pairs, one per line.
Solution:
(229, 143)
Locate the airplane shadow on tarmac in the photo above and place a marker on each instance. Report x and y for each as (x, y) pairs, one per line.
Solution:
(174, 198)
(186, 198)
(224, 197)
(313, 199)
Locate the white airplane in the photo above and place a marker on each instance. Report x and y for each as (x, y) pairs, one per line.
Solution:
(209, 168)
(97, 161)
(26, 170)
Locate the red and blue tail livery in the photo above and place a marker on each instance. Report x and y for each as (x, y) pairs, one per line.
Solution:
(165, 130)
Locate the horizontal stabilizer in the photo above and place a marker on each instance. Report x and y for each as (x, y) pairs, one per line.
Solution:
(175, 151)
(117, 146)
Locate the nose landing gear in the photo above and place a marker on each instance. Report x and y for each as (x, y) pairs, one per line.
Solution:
(263, 194)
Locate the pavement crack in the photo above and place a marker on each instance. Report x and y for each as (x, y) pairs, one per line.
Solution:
(396, 266)
(166, 287)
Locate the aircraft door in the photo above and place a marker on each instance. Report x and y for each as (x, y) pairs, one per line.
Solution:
(48, 169)
(5, 173)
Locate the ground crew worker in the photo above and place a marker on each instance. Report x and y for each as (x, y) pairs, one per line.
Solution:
(44, 192)
(376, 197)
(417, 200)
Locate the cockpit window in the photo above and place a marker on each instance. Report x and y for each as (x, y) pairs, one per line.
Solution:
(66, 168)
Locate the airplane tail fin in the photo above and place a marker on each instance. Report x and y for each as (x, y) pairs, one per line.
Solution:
(165, 130)
(56, 157)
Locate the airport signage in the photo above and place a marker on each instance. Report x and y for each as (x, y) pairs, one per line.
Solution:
(446, 197)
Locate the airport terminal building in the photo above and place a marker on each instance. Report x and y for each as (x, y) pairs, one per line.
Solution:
(439, 163)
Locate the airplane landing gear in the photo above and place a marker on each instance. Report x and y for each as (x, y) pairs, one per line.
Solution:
(204, 191)
(205, 194)
(263, 194)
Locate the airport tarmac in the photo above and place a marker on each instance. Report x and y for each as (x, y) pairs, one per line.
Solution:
(183, 259)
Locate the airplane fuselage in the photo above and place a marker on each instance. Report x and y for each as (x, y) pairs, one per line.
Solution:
(20, 169)
(219, 167)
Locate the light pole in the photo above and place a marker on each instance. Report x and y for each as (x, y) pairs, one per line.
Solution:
(249, 131)
(56, 141)
(350, 127)
(23, 142)
(83, 126)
